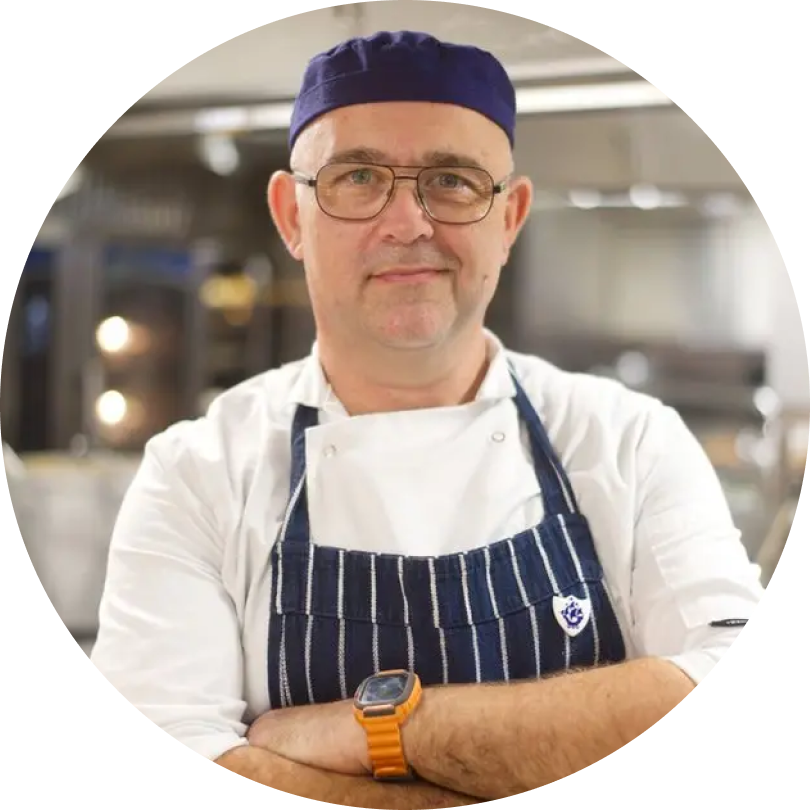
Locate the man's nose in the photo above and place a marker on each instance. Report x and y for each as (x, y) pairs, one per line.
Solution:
(404, 218)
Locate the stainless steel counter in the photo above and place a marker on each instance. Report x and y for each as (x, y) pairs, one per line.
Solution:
(66, 509)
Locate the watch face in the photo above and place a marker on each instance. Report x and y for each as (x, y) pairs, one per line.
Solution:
(384, 689)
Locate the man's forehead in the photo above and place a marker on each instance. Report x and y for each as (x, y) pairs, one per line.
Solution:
(405, 133)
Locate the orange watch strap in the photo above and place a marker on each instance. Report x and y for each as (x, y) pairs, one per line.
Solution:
(385, 747)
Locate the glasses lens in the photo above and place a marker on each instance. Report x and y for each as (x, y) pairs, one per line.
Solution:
(456, 194)
(353, 190)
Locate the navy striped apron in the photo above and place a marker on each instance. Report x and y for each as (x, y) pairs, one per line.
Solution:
(524, 607)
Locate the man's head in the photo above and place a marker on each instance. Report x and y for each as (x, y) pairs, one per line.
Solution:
(393, 255)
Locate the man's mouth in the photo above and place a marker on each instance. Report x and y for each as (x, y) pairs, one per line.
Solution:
(409, 275)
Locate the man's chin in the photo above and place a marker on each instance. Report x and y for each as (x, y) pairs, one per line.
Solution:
(409, 327)
(412, 338)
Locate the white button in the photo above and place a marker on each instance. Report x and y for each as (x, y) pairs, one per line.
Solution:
(498, 437)
(329, 450)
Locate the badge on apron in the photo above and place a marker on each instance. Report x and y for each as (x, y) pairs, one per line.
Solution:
(572, 614)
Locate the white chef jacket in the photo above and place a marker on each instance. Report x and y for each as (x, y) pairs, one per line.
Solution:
(184, 614)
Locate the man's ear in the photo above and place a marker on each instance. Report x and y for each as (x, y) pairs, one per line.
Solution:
(518, 208)
(283, 206)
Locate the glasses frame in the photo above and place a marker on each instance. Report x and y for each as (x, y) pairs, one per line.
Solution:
(312, 182)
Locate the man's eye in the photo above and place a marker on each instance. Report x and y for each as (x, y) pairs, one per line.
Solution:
(451, 181)
(361, 177)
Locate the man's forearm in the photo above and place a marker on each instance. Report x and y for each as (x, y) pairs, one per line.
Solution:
(355, 791)
(501, 739)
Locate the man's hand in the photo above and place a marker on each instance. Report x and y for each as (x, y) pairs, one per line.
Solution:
(325, 736)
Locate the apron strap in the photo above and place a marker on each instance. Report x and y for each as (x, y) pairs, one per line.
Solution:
(558, 494)
(296, 528)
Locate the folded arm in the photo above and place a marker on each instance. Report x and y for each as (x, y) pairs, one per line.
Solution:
(355, 791)
(689, 576)
(499, 740)
(492, 740)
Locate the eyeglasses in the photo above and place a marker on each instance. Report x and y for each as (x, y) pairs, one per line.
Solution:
(453, 195)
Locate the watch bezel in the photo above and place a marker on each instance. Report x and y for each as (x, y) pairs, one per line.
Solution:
(376, 705)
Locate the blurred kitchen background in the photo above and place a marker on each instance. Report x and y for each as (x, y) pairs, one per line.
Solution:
(157, 279)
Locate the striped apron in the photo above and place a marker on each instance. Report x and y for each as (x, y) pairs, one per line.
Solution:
(523, 607)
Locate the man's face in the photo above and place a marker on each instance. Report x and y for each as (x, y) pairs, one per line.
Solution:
(401, 279)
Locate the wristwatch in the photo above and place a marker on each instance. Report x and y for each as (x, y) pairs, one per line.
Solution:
(382, 704)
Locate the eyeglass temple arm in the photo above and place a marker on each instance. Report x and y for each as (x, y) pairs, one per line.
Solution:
(499, 188)
(304, 180)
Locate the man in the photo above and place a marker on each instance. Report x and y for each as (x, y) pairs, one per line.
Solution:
(544, 560)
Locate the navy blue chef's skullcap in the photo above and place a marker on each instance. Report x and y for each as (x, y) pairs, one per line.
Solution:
(404, 66)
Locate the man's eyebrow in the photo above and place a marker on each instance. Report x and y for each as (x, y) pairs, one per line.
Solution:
(359, 154)
(363, 154)
(440, 158)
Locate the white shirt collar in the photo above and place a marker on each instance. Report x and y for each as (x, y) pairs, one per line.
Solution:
(312, 389)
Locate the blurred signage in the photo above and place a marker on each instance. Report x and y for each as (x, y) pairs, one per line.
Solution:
(136, 263)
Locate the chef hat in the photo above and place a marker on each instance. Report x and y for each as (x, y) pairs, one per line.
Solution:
(404, 66)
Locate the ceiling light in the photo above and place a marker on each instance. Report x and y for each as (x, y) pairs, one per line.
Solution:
(221, 119)
(585, 198)
(565, 68)
(633, 369)
(640, 197)
(645, 196)
(218, 152)
(111, 408)
(270, 116)
(113, 335)
(612, 95)
(766, 401)
(720, 206)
